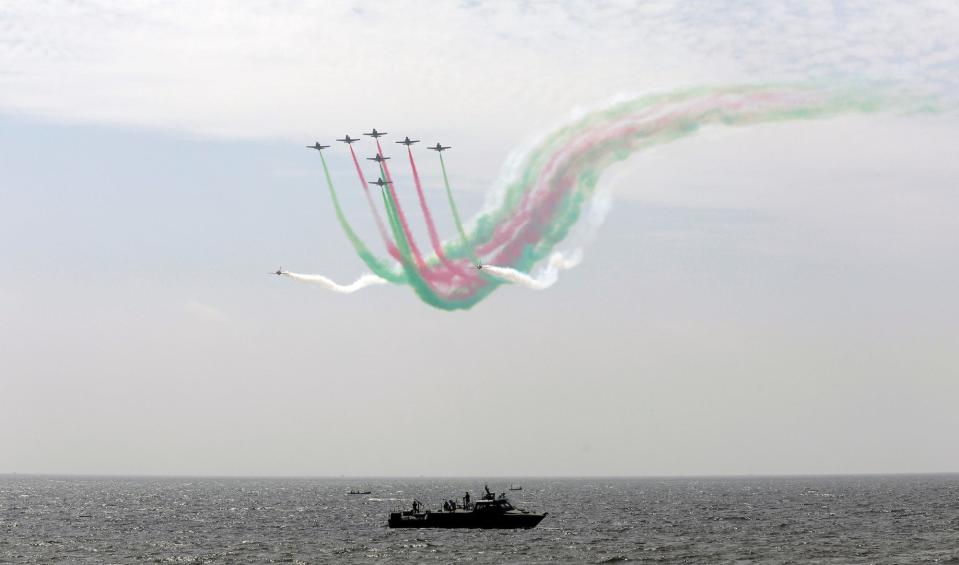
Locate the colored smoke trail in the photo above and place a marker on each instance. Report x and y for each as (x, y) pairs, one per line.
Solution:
(400, 216)
(464, 240)
(428, 218)
(390, 246)
(364, 281)
(556, 181)
(413, 271)
(378, 266)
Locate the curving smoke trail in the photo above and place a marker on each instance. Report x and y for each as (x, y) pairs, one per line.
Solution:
(391, 248)
(400, 216)
(430, 225)
(379, 266)
(556, 181)
(362, 282)
(542, 281)
(464, 240)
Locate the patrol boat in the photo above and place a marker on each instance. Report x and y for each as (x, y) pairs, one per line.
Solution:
(489, 513)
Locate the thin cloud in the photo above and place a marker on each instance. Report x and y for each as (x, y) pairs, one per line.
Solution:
(206, 312)
(281, 70)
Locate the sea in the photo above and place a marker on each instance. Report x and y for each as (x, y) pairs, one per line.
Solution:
(822, 519)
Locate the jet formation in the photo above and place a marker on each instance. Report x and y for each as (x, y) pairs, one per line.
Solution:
(379, 158)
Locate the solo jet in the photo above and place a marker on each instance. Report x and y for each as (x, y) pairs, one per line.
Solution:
(380, 182)
(438, 148)
(317, 146)
(278, 271)
(379, 158)
(478, 267)
(374, 134)
(407, 142)
(347, 140)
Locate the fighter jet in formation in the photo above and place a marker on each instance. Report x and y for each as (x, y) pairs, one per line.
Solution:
(478, 267)
(438, 148)
(374, 134)
(379, 158)
(380, 182)
(348, 140)
(317, 146)
(407, 142)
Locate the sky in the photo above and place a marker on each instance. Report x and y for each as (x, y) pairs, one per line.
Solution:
(771, 299)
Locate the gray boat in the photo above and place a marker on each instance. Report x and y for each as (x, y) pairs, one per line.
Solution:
(488, 513)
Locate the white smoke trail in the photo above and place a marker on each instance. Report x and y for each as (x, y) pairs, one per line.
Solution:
(364, 281)
(545, 279)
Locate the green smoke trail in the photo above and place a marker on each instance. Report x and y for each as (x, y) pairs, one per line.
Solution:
(464, 241)
(464, 299)
(378, 266)
(413, 275)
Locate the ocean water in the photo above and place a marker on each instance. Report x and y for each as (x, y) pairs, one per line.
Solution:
(866, 519)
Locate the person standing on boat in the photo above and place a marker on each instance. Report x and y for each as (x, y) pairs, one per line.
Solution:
(489, 495)
(466, 501)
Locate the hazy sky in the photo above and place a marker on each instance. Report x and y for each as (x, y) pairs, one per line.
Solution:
(777, 299)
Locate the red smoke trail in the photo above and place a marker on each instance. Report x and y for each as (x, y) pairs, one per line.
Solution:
(507, 231)
(430, 226)
(432, 275)
(390, 245)
(545, 194)
(559, 176)
(556, 182)
(417, 257)
(534, 216)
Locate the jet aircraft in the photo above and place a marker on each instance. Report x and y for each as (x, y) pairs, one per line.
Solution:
(438, 148)
(317, 146)
(278, 271)
(374, 134)
(347, 139)
(380, 182)
(379, 158)
(407, 142)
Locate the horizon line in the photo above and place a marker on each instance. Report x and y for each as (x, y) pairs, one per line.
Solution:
(476, 477)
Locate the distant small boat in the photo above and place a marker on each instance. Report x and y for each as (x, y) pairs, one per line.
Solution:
(354, 491)
(513, 487)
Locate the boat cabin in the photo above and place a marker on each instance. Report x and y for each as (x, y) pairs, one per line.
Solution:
(500, 505)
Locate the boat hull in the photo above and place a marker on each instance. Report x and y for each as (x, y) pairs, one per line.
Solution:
(464, 519)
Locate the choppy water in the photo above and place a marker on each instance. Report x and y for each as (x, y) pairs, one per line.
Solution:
(895, 519)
